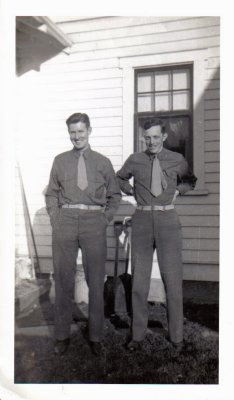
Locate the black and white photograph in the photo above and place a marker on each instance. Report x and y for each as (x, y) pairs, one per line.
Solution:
(116, 170)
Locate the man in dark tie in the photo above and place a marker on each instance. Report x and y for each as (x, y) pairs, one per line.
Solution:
(81, 199)
(160, 175)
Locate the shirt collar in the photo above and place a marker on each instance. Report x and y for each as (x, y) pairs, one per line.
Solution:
(77, 152)
(152, 155)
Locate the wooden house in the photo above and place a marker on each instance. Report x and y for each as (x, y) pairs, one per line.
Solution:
(120, 71)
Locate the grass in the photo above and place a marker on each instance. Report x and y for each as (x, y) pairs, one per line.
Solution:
(157, 363)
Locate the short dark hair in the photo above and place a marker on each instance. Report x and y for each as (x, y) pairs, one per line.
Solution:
(78, 117)
(154, 122)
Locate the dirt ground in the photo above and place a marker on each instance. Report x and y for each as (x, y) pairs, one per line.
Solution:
(156, 363)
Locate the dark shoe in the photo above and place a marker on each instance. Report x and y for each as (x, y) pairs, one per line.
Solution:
(118, 322)
(134, 345)
(178, 346)
(96, 348)
(61, 346)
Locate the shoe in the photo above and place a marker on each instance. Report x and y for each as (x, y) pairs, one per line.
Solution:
(178, 346)
(118, 322)
(134, 345)
(61, 346)
(96, 348)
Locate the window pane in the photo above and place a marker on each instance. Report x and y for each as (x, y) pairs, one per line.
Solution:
(144, 103)
(144, 83)
(181, 79)
(181, 100)
(162, 102)
(162, 81)
(177, 129)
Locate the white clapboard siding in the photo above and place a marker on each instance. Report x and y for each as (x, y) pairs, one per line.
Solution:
(212, 177)
(95, 112)
(56, 65)
(212, 125)
(212, 167)
(90, 103)
(89, 80)
(82, 76)
(212, 146)
(212, 104)
(142, 30)
(212, 114)
(211, 157)
(188, 243)
(213, 135)
(212, 94)
(197, 200)
(158, 48)
(73, 24)
(200, 232)
(212, 187)
(143, 40)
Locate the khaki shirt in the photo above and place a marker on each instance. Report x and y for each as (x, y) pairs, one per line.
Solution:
(103, 188)
(139, 165)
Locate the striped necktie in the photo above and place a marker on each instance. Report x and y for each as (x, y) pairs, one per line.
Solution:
(82, 181)
(158, 181)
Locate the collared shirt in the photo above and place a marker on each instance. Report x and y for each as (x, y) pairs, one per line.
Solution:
(139, 165)
(103, 188)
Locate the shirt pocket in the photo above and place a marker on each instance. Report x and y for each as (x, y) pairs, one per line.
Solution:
(171, 178)
(67, 181)
(97, 185)
(143, 176)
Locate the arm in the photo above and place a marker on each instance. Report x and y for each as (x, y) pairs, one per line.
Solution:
(52, 192)
(123, 176)
(186, 179)
(113, 194)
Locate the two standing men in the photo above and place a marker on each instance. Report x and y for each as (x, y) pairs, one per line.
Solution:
(82, 196)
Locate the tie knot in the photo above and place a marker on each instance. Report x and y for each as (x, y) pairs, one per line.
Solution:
(154, 157)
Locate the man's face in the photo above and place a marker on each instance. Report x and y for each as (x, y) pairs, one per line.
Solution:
(79, 135)
(154, 139)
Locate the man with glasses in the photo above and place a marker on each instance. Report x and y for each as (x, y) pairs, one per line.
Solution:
(160, 175)
(81, 199)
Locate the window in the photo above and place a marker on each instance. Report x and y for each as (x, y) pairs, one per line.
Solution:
(167, 93)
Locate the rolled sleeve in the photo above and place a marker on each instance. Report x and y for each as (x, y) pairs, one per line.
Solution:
(123, 176)
(186, 179)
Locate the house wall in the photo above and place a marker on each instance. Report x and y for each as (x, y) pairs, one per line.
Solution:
(93, 79)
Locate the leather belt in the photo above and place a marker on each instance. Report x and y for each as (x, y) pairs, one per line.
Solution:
(156, 208)
(82, 207)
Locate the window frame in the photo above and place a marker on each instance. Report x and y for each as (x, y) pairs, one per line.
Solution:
(170, 68)
(164, 114)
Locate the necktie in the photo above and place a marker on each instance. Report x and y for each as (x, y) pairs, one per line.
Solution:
(158, 181)
(82, 181)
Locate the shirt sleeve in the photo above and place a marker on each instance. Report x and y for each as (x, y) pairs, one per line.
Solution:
(53, 190)
(123, 176)
(113, 194)
(186, 179)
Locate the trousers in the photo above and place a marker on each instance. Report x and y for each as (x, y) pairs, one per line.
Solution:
(86, 230)
(160, 230)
